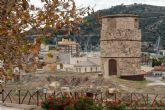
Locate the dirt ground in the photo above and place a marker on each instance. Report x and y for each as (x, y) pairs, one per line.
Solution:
(78, 81)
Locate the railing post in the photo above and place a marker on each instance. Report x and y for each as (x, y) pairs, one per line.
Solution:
(147, 100)
(37, 98)
(45, 96)
(115, 97)
(131, 99)
(19, 96)
(54, 93)
(101, 97)
(75, 95)
(3, 95)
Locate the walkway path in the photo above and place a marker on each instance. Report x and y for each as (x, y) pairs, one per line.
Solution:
(8, 108)
(155, 82)
(12, 106)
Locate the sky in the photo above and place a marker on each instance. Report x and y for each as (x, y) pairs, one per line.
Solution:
(103, 4)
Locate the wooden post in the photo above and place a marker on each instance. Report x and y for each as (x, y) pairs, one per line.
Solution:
(37, 98)
(45, 96)
(19, 96)
(101, 97)
(115, 98)
(3, 96)
(131, 99)
(147, 101)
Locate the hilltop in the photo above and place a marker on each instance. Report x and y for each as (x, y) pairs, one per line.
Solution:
(152, 22)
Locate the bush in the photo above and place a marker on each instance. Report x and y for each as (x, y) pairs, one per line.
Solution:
(50, 55)
(70, 103)
(86, 103)
(115, 105)
(156, 62)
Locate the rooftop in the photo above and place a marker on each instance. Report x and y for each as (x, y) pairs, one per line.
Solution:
(86, 63)
(159, 68)
(67, 42)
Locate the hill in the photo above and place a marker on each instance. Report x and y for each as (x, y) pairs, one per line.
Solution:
(152, 22)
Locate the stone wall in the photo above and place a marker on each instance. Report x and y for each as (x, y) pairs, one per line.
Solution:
(120, 49)
(121, 40)
(108, 23)
(128, 23)
(120, 23)
(121, 34)
(125, 66)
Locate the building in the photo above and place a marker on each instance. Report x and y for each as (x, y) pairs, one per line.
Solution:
(1, 64)
(47, 58)
(120, 45)
(162, 52)
(82, 64)
(88, 66)
(66, 45)
(158, 71)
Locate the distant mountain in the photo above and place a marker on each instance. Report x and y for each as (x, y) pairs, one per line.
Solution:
(152, 22)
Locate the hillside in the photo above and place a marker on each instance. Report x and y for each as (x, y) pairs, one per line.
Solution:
(152, 22)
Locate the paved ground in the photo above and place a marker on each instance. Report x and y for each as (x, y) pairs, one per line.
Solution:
(8, 108)
(12, 106)
(155, 81)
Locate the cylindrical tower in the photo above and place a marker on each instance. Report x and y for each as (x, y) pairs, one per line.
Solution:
(120, 45)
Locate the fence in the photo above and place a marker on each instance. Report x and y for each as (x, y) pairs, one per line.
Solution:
(131, 99)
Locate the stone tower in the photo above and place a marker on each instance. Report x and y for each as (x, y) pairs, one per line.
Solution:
(120, 45)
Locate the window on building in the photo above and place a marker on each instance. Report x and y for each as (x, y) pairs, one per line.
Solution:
(160, 74)
(79, 69)
(91, 69)
(136, 23)
(76, 69)
(157, 74)
(85, 69)
(96, 69)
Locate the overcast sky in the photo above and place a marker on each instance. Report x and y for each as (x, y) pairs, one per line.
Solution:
(102, 4)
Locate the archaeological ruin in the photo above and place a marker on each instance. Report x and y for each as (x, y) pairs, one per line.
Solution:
(120, 45)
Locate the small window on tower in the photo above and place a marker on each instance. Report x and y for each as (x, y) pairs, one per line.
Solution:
(136, 23)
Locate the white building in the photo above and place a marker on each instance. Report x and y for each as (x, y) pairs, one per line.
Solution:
(1, 64)
(87, 66)
(83, 64)
(69, 46)
(159, 71)
(162, 52)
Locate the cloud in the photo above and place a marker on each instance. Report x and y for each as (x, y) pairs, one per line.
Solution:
(103, 4)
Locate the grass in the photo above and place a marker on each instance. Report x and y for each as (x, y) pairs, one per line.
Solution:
(132, 85)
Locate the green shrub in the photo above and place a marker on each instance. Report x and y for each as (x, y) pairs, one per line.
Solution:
(50, 55)
(156, 62)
